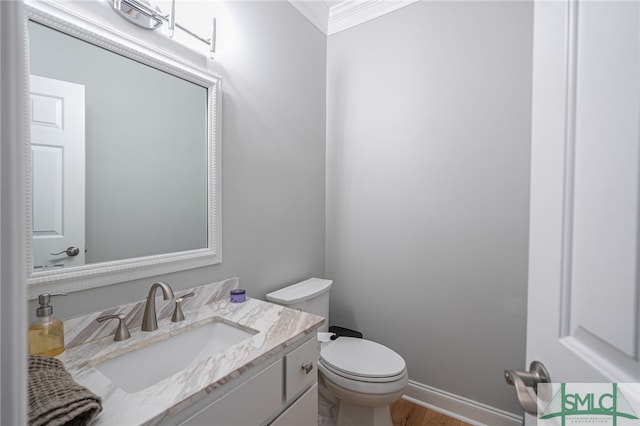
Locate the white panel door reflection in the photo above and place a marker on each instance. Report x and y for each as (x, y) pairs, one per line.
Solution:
(58, 173)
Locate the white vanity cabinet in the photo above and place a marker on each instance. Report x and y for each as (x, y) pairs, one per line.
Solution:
(282, 391)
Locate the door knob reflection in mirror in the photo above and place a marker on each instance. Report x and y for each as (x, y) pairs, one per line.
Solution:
(71, 251)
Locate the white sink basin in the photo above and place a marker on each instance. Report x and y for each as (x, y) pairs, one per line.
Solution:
(141, 368)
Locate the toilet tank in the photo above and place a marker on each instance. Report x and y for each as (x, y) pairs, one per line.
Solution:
(310, 296)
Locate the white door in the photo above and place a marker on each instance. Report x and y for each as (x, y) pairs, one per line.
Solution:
(583, 318)
(58, 164)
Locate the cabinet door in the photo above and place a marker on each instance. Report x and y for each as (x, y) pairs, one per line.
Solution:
(247, 405)
(303, 412)
(301, 368)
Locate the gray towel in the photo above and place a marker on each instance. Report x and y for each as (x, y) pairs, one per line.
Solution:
(55, 398)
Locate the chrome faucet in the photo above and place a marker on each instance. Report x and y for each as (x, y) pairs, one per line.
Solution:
(150, 320)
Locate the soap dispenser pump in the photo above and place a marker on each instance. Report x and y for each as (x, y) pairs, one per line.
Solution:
(46, 334)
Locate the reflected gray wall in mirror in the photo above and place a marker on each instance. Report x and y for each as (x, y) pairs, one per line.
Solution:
(146, 149)
(151, 137)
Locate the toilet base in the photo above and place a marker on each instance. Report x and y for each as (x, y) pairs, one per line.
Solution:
(327, 405)
(358, 415)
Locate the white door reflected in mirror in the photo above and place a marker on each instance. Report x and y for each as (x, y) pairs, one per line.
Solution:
(58, 160)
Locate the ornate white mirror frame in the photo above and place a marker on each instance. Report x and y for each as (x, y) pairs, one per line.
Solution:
(58, 17)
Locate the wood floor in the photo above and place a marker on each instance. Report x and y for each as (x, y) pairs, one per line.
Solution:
(405, 413)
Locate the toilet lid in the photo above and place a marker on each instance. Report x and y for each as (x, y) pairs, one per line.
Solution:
(364, 358)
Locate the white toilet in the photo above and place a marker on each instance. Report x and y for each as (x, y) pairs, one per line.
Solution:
(364, 376)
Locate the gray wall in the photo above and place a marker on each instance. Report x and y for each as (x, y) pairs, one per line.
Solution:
(145, 179)
(273, 147)
(428, 112)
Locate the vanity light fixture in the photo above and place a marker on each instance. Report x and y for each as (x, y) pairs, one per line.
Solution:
(142, 14)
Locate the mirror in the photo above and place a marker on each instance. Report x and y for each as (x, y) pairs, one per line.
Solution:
(123, 167)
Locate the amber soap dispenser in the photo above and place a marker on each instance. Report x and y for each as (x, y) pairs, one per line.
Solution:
(46, 334)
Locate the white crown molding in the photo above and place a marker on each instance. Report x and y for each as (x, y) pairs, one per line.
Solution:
(315, 11)
(355, 12)
(345, 14)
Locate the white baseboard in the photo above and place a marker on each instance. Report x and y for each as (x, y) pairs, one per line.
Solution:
(458, 407)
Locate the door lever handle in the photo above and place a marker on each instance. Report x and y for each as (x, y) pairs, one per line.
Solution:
(522, 380)
(71, 251)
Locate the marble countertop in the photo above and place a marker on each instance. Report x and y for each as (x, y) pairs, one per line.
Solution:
(91, 343)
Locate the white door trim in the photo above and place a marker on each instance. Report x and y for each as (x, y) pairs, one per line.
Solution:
(13, 285)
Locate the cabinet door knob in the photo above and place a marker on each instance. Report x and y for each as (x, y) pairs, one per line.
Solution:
(307, 367)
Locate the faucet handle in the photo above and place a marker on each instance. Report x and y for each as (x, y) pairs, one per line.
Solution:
(177, 312)
(122, 333)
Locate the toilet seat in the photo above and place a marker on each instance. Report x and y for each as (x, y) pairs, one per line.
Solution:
(362, 360)
(361, 378)
(363, 392)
